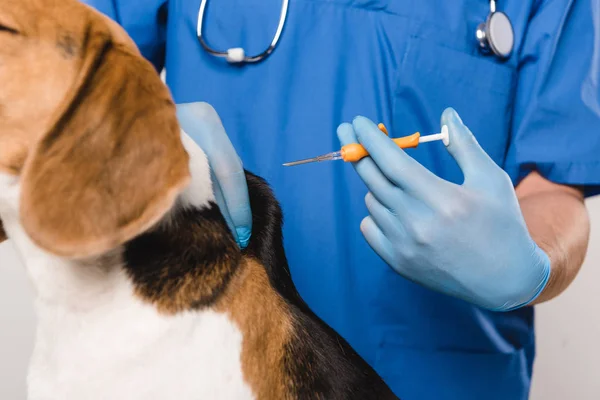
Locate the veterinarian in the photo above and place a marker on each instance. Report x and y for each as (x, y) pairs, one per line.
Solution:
(460, 241)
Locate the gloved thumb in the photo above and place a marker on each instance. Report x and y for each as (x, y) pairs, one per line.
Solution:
(464, 147)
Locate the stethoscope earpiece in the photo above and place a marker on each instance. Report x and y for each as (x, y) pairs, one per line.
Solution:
(496, 34)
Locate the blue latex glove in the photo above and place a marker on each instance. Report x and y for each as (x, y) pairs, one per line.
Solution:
(469, 241)
(202, 123)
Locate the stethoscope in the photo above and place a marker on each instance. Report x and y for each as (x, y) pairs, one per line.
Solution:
(495, 35)
(237, 55)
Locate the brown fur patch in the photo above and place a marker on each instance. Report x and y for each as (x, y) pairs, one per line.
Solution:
(265, 321)
(102, 160)
(34, 75)
(42, 45)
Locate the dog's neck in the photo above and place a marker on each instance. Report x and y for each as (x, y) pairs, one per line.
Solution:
(87, 284)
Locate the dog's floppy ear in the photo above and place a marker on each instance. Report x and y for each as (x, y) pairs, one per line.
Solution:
(113, 163)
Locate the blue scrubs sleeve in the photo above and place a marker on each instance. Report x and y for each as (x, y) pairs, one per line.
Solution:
(556, 119)
(144, 20)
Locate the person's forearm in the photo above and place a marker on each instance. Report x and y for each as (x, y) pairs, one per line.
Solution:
(558, 222)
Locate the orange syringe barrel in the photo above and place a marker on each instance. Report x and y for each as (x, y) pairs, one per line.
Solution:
(355, 152)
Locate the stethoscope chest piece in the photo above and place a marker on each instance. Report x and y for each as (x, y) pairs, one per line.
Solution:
(496, 35)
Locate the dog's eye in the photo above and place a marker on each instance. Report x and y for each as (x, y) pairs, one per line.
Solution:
(4, 28)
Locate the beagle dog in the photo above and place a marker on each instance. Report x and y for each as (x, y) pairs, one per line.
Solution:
(141, 291)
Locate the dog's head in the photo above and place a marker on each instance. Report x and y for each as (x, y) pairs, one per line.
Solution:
(87, 128)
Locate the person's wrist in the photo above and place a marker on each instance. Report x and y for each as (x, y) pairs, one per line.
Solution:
(538, 278)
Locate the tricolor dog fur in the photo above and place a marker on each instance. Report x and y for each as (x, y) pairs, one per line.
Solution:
(141, 291)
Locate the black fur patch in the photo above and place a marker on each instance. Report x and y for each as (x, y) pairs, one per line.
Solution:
(186, 263)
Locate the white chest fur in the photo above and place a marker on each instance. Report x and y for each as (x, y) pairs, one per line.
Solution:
(127, 351)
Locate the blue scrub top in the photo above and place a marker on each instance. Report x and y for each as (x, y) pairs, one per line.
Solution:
(400, 62)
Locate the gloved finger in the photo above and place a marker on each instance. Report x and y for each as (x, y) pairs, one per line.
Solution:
(385, 219)
(401, 169)
(346, 134)
(377, 240)
(378, 184)
(235, 194)
(202, 123)
(220, 199)
(465, 149)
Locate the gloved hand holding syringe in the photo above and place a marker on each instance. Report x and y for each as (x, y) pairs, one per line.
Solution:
(469, 241)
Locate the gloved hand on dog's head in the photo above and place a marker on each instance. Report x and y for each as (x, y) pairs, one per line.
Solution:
(202, 123)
